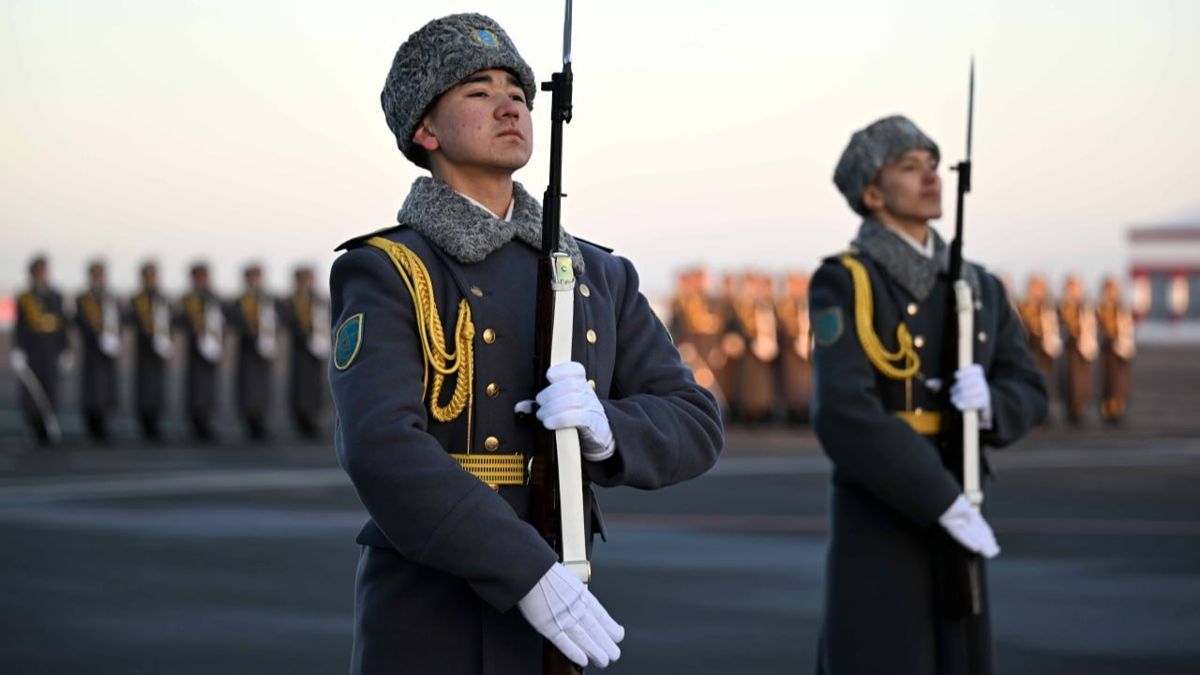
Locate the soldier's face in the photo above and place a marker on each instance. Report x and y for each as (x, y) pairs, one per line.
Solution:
(909, 187)
(482, 123)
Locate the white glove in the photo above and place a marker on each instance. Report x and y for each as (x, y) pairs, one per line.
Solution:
(17, 359)
(569, 402)
(209, 346)
(970, 389)
(968, 528)
(110, 344)
(563, 610)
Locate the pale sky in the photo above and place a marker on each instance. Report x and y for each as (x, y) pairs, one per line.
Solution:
(704, 131)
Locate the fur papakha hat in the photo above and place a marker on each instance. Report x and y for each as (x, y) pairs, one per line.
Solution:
(435, 58)
(873, 148)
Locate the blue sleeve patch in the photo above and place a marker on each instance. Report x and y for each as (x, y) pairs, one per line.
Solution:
(348, 342)
(827, 326)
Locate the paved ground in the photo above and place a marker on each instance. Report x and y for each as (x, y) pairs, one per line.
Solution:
(235, 559)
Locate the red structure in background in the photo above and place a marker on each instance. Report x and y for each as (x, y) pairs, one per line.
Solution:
(1164, 267)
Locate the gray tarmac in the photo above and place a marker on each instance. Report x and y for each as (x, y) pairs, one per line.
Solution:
(240, 559)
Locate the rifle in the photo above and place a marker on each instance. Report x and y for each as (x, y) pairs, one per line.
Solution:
(557, 474)
(964, 592)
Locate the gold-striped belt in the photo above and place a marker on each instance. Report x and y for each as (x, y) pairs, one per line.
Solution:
(923, 422)
(495, 470)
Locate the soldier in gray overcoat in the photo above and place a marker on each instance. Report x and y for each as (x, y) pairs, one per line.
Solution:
(39, 350)
(253, 318)
(203, 324)
(306, 316)
(98, 318)
(150, 315)
(433, 356)
(878, 312)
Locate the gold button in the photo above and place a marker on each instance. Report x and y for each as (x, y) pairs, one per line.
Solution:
(912, 309)
(489, 335)
(919, 341)
(585, 291)
(982, 336)
(477, 291)
(919, 411)
(493, 390)
(491, 443)
(591, 336)
(592, 384)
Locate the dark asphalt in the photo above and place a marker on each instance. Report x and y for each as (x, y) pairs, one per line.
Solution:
(238, 560)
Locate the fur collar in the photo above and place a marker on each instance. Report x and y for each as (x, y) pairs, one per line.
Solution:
(913, 271)
(468, 233)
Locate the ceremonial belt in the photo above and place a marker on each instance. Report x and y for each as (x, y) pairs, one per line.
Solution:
(495, 470)
(923, 422)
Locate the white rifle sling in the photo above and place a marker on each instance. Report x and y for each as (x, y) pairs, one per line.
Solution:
(966, 356)
(570, 461)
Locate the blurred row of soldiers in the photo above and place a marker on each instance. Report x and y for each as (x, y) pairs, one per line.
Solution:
(255, 323)
(750, 343)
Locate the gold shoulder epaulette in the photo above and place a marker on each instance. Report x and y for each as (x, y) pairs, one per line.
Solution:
(884, 361)
(439, 361)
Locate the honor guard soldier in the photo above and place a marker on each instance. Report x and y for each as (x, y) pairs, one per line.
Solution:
(1082, 346)
(252, 316)
(795, 349)
(99, 320)
(203, 325)
(755, 312)
(306, 316)
(877, 312)
(150, 315)
(434, 331)
(40, 351)
(1117, 348)
(1040, 318)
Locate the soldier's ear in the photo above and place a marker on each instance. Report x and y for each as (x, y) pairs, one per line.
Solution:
(425, 137)
(872, 198)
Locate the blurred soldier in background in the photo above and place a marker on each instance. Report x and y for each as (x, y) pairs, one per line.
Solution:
(696, 327)
(795, 369)
(39, 351)
(99, 320)
(727, 361)
(204, 326)
(150, 315)
(306, 316)
(881, 377)
(253, 317)
(1117, 349)
(1040, 319)
(1082, 348)
(755, 312)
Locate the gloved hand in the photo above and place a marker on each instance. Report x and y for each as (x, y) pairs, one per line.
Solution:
(563, 610)
(970, 389)
(17, 359)
(968, 528)
(568, 401)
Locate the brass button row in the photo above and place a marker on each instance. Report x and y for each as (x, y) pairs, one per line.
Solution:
(489, 335)
(493, 390)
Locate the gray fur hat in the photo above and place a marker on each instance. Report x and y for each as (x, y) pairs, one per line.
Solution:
(437, 57)
(873, 148)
